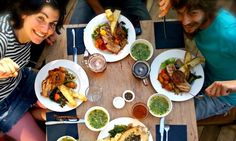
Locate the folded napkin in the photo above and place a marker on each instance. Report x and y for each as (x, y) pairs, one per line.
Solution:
(174, 33)
(56, 131)
(176, 133)
(79, 41)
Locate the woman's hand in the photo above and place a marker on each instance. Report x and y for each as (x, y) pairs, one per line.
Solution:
(221, 88)
(165, 6)
(8, 68)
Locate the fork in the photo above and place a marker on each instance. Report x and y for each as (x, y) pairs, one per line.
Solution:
(167, 128)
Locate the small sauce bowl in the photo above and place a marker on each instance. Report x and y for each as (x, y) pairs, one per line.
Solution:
(118, 102)
(128, 95)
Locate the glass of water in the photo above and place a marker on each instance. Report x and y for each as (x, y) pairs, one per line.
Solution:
(94, 94)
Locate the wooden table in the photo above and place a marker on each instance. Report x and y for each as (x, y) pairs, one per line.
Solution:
(118, 78)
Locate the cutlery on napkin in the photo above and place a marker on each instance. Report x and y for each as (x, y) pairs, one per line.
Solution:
(65, 122)
(161, 130)
(164, 26)
(74, 47)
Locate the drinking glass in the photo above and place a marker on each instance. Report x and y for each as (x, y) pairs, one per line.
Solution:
(94, 94)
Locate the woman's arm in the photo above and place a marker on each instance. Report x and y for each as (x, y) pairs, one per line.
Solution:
(96, 6)
(221, 88)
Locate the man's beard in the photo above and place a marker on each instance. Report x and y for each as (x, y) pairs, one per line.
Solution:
(191, 35)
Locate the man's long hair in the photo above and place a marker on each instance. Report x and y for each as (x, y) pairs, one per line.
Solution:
(208, 6)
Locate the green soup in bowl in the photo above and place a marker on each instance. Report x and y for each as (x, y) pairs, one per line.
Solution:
(96, 118)
(159, 105)
(141, 50)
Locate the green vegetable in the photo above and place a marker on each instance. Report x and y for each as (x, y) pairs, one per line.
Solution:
(118, 129)
(167, 62)
(193, 77)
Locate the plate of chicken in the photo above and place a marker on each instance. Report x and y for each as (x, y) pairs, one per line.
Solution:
(61, 85)
(110, 34)
(177, 74)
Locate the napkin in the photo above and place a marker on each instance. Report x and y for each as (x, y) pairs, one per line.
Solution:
(79, 41)
(56, 131)
(176, 133)
(174, 33)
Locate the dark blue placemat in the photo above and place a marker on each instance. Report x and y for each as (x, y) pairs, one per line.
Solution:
(176, 133)
(56, 131)
(79, 41)
(174, 33)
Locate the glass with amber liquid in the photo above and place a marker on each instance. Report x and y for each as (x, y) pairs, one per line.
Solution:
(139, 110)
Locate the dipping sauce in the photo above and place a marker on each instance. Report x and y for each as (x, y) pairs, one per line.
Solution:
(97, 118)
(128, 96)
(158, 105)
(139, 110)
(140, 51)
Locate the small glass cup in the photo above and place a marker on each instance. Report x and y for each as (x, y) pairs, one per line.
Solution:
(140, 110)
(95, 62)
(94, 94)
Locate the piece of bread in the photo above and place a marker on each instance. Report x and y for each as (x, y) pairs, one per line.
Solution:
(67, 94)
(116, 16)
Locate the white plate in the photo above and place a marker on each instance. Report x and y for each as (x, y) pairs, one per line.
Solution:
(155, 69)
(89, 43)
(118, 121)
(81, 80)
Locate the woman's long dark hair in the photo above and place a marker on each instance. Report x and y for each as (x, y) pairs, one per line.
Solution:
(29, 7)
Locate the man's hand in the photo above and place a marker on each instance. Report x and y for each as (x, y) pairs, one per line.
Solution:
(8, 68)
(221, 88)
(51, 39)
(165, 6)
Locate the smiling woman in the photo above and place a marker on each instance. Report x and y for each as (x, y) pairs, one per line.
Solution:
(27, 22)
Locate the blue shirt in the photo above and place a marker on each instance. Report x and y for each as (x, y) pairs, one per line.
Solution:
(217, 44)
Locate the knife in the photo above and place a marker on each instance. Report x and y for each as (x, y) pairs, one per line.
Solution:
(65, 122)
(74, 47)
(161, 130)
(164, 26)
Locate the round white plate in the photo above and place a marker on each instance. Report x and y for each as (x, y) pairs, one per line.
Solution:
(155, 69)
(120, 121)
(81, 80)
(89, 43)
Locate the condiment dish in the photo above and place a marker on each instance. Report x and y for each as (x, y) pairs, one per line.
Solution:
(159, 105)
(141, 50)
(96, 118)
(118, 102)
(128, 95)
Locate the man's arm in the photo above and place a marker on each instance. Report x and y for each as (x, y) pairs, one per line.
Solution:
(96, 6)
(221, 88)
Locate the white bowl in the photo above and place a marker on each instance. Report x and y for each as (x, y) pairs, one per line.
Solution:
(66, 137)
(128, 92)
(98, 118)
(143, 41)
(160, 102)
(118, 102)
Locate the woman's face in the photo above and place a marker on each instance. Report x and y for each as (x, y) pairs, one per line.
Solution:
(38, 27)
